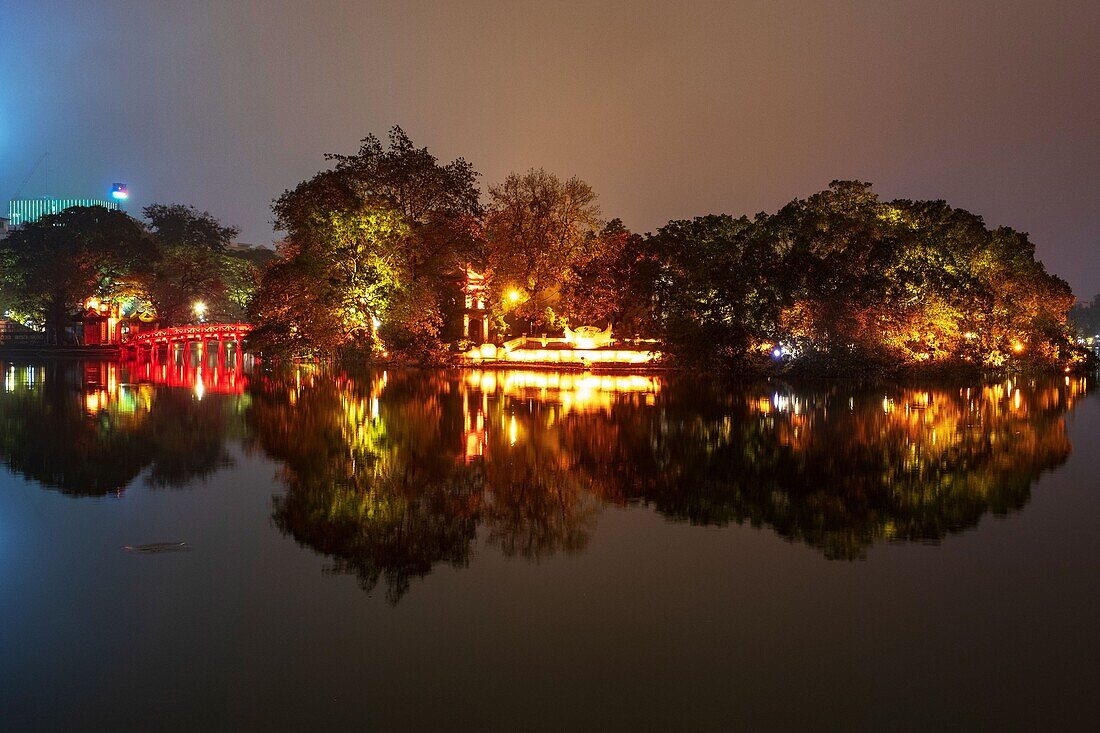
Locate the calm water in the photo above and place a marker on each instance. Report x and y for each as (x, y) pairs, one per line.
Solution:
(518, 550)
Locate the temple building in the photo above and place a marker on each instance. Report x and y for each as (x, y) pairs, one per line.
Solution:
(475, 315)
(104, 324)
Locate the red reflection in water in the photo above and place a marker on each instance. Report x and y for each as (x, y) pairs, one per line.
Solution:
(217, 380)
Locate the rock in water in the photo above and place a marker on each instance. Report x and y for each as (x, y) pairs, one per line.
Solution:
(156, 547)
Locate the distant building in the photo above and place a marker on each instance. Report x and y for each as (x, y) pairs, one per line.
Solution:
(25, 211)
(257, 254)
(5, 227)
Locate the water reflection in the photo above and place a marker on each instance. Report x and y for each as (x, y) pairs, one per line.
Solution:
(89, 429)
(391, 474)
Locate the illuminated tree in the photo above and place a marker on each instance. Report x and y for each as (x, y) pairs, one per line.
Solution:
(337, 273)
(384, 231)
(57, 262)
(191, 264)
(615, 286)
(714, 290)
(540, 229)
(844, 283)
(439, 204)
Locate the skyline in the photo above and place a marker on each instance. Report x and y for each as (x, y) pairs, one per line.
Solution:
(667, 112)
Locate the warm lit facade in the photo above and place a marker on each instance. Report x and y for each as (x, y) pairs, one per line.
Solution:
(582, 346)
(104, 325)
(475, 313)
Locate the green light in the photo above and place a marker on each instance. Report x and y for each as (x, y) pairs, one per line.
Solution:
(25, 211)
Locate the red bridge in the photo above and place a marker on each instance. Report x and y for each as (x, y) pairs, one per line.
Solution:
(184, 344)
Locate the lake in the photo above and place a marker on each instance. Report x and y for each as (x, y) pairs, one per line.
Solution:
(530, 550)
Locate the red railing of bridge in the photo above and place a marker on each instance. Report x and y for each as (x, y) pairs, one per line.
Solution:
(195, 332)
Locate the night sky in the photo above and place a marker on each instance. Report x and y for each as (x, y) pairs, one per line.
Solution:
(669, 109)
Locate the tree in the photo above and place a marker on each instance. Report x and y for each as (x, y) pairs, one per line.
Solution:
(440, 204)
(242, 271)
(381, 235)
(540, 230)
(715, 290)
(615, 286)
(192, 265)
(338, 272)
(844, 283)
(59, 261)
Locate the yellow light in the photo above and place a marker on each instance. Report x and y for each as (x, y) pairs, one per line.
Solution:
(513, 295)
(199, 308)
(1017, 346)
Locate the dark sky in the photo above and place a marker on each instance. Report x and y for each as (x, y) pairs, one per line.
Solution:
(669, 109)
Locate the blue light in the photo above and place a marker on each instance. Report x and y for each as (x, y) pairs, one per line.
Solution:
(119, 192)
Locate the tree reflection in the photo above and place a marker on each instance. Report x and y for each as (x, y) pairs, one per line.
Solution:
(842, 469)
(390, 474)
(371, 482)
(90, 428)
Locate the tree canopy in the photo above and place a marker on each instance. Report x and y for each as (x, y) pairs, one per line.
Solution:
(841, 282)
(55, 263)
(50, 267)
(375, 242)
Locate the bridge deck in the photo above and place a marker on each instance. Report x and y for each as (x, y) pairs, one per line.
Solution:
(196, 332)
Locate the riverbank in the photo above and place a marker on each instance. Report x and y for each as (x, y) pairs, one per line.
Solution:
(8, 351)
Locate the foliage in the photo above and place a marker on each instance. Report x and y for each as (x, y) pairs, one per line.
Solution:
(616, 286)
(383, 231)
(539, 229)
(192, 266)
(57, 262)
(842, 282)
(241, 272)
(439, 204)
(715, 290)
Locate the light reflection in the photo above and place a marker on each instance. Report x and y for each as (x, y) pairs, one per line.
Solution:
(526, 460)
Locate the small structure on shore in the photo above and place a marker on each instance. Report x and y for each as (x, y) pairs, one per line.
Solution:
(583, 346)
(104, 324)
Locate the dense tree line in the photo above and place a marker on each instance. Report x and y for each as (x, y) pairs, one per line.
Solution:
(838, 282)
(175, 258)
(842, 280)
(377, 247)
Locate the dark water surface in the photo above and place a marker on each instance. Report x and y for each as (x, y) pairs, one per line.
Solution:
(516, 551)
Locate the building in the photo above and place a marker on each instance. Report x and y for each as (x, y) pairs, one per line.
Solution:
(5, 227)
(104, 324)
(25, 211)
(475, 313)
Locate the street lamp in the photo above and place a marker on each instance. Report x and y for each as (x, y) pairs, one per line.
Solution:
(513, 295)
(200, 310)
